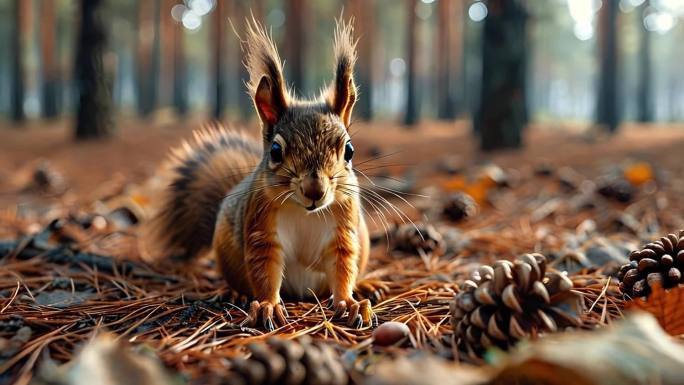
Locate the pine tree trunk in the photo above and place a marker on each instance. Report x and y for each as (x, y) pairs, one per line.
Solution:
(17, 42)
(93, 119)
(457, 48)
(448, 51)
(645, 87)
(166, 41)
(412, 97)
(156, 58)
(50, 84)
(180, 85)
(295, 42)
(217, 87)
(607, 112)
(501, 113)
(148, 55)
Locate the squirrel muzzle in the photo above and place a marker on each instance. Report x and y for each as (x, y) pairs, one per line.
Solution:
(313, 187)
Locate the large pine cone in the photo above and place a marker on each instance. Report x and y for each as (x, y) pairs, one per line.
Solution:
(661, 261)
(288, 362)
(510, 301)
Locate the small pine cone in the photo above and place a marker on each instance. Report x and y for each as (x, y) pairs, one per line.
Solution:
(618, 189)
(510, 301)
(412, 238)
(661, 261)
(459, 206)
(288, 362)
(47, 179)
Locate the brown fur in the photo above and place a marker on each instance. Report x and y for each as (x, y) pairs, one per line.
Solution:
(202, 170)
(264, 216)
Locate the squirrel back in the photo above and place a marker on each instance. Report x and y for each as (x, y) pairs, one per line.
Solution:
(202, 172)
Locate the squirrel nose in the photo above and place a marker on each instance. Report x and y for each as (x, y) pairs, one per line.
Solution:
(313, 187)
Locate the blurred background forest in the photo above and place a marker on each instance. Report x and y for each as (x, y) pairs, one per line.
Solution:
(567, 62)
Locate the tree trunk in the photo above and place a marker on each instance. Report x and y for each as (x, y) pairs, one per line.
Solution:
(412, 97)
(645, 87)
(18, 37)
(180, 85)
(295, 42)
(501, 113)
(364, 15)
(93, 117)
(607, 113)
(166, 40)
(148, 55)
(456, 55)
(449, 47)
(217, 89)
(48, 60)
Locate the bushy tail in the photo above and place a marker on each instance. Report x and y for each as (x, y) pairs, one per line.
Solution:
(202, 172)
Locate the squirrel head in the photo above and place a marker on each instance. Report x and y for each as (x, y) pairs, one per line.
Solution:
(307, 147)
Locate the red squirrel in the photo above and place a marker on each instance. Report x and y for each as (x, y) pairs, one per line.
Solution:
(293, 225)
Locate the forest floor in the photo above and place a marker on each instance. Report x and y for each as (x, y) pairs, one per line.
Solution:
(61, 283)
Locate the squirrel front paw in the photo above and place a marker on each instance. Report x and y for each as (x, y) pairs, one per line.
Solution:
(270, 314)
(360, 313)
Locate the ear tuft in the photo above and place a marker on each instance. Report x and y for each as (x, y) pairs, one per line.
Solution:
(342, 94)
(266, 84)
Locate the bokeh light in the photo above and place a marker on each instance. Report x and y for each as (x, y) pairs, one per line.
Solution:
(191, 20)
(397, 67)
(477, 11)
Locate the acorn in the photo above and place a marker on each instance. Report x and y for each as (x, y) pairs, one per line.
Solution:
(391, 333)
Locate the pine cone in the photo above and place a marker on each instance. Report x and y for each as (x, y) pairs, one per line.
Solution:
(459, 206)
(510, 301)
(410, 238)
(289, 362)
(618, 189)
(661, 261)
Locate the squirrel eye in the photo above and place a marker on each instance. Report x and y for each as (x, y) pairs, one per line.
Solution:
(276, 153)
(348, 152)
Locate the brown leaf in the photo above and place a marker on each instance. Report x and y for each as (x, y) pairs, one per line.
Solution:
(425, 370)
(107, 361)
(666, 307)
(634, 351)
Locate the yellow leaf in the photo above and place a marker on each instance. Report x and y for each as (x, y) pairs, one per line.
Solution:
(457, 183)
(478, 191)
(639, 173)
(140, 199)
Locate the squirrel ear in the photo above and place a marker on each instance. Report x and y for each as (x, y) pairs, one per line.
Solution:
(266, 83)
(344, 97)
(269, 101)
(342, 94)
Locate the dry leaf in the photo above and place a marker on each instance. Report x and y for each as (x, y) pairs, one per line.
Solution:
(106, 361)
(639, 173)
(634, 351)
(426, 370)
(457, 183)
(665, 305)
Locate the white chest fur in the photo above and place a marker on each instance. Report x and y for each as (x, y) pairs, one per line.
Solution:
(303, 237)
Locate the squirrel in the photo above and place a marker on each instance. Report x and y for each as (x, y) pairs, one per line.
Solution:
(293, 225)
